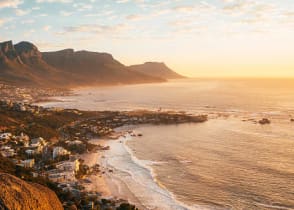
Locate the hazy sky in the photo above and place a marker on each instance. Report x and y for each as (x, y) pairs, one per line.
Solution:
(195, 38)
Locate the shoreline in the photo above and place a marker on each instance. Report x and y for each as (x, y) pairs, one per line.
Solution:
(97, 180)
(133, 180)
(106, 183)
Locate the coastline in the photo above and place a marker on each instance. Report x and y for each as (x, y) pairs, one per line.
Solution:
(134, 180)
(106, 183)
(98, 183)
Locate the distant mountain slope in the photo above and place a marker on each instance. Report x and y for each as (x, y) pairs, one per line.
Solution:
(24, 64)
(156, 69)
(95, 67)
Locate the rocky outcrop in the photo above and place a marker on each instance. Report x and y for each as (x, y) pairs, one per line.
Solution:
(16, 194)
(8, 53)
(156, 69)
(28, 53)
(22, 64)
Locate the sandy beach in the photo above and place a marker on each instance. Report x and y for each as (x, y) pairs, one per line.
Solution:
(134, 180)
(124, 177)
(107, 183)
(98, 182)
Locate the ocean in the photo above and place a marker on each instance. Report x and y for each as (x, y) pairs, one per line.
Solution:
(228, 162)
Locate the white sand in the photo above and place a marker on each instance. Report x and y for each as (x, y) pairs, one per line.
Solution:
(98, 183)
(133, 181)
(125, 177)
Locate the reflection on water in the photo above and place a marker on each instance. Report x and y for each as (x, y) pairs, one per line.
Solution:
(189, 95)
(223, 163)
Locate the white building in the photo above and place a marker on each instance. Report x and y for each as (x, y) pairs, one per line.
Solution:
(69, 165)
(30, 152)
(7, 151)
(38, 144)
(61, 176)
(59, 151)
(29, 163)
(75, 142)
(5, 136)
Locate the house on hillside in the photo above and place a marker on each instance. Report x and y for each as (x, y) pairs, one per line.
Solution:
(69, 165)
(38, 144)
(5, 136)
(59, 151)
(7, 151)
(29, 163)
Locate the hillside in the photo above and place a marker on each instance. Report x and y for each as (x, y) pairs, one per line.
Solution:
(94, 68)
(156, 69)
(18, 194)
(23, 64)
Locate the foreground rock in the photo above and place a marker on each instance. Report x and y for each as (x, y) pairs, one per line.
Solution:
(20, 195)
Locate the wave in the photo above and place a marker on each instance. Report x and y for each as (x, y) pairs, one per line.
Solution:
(141, 179)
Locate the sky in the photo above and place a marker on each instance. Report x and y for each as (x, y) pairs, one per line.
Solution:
(206, 38)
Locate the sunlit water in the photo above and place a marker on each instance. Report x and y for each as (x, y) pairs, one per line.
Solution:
(225, 163)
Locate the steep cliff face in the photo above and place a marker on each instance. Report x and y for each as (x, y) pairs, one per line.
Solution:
(156, 69)
(23, 64)
(28, 53)
(8, 53)
(17, 194)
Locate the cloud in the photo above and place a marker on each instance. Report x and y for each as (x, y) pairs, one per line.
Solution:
(2, 22)
(28, 21)
(46, 28)
(20, 12)
(65, 13)
(237, 6)
(184, 8)
(135, 17)
(122, 1)
(82, 6)
(54, 1)
(10, 3)
(96, 28)
(289, 14)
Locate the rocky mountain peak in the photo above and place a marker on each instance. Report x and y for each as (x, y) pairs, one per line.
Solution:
(6, 46)
(27, 49)
(24, 64)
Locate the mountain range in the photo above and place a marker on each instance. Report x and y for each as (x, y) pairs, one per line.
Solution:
(24, 65)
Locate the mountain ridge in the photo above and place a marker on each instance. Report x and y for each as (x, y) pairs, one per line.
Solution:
(160, 69)
(23, 64)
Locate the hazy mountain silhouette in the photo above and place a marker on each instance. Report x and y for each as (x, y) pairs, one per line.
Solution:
(156, 69)
(24, 64)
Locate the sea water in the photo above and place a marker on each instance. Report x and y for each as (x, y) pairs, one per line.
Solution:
(228, 162)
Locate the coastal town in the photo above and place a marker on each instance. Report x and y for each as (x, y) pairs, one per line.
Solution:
(46, 145)
(29, 94)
